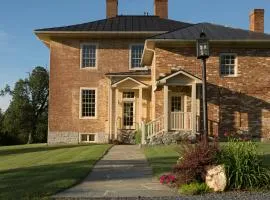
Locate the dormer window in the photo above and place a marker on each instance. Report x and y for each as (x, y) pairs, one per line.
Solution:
(89, 56)
(136, 51)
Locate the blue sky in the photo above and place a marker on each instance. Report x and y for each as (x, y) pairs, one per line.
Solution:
(20, 50)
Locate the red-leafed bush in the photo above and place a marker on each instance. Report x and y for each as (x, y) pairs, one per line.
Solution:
(191, 166)
(167, 179)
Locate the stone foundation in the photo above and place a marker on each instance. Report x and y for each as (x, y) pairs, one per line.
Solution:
(73, 137)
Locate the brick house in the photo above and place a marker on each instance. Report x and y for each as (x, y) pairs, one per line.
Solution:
(115, 75)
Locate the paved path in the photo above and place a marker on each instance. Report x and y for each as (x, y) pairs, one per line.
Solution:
(123, 172)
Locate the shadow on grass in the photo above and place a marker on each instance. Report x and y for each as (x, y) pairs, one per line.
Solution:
(5, 152)
(41, 181)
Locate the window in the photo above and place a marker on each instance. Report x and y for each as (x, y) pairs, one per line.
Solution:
(88, 55)
(128, 110)
(176, 105)
(88, 137)
(128, 95)
(136, 56)
(228, 64)
(88, 103)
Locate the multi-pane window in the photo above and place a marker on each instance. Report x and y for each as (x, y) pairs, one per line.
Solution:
(88, 103)
(228, 64)
(88, 58)
(128, 109)
(176, 104)
(88, 137)
(136, 56)
(128, 95)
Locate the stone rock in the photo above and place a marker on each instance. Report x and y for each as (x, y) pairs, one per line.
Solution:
(127, 136)
(216, 178)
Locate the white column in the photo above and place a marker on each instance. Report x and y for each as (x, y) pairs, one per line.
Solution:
(110, 112)
(116, 112)
(140, 105)
(166, 107)
(193, 107)
(143, 132)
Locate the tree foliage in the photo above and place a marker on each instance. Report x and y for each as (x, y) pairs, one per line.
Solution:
(25, 120)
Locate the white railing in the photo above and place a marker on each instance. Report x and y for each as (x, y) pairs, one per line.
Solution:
(180, 121)
(154, 127)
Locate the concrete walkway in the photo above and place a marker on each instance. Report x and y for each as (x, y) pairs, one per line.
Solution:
(123, 172)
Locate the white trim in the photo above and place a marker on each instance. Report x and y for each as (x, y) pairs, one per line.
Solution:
(96, 103)
(80, 138)
(235, 65)
(131, 79)
(163, 80)
(81, 57)
(130, 57)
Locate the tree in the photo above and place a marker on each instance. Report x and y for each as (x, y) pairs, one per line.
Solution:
(27, 114)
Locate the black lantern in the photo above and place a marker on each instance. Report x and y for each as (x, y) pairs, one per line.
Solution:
(203, 47)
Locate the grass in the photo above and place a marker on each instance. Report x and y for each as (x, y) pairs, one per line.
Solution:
(162, 158)
(38, 171)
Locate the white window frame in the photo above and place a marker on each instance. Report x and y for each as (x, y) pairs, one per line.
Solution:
(96, 103)
(235, 65)
(81, 56)
(130, 58)
(88, 141)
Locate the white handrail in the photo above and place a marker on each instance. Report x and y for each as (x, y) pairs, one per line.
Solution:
(154, 127)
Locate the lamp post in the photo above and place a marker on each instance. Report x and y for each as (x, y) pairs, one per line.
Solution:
(203, 53)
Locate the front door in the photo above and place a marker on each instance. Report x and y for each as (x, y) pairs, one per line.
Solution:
(128, 110)
(177, 118)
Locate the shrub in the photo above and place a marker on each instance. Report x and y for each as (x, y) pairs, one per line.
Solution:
(167, 179)
(244, 168)
(138, 136)
(191, 167)
(194, 189)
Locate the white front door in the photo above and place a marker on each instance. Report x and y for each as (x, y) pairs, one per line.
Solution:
(129, 110)
(176, 111)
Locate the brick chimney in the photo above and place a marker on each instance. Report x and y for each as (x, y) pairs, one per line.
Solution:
(256, 20)
(161, 8)
(112, 8)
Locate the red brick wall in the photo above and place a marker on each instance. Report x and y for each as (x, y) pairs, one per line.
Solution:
(241, 102)
(66, 78)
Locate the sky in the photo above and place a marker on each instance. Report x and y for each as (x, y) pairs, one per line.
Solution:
(21, 51)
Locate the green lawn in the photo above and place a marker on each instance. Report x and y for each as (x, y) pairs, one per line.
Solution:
(163, 158)
(38, 171)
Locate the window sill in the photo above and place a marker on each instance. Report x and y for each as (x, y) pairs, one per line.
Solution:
(88, 118)
(232, 76)
(88, 68)
(138, 69)
(87, 142)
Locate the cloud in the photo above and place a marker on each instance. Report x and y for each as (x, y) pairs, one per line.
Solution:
(4, 102)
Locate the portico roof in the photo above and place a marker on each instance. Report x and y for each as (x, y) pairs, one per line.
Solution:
(164, 80)
(139, 83)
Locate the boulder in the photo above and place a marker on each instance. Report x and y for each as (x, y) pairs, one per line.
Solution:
(216, 178)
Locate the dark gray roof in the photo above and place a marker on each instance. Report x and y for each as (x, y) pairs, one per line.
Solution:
(131, 73)
(125, 23)
(213, 32)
